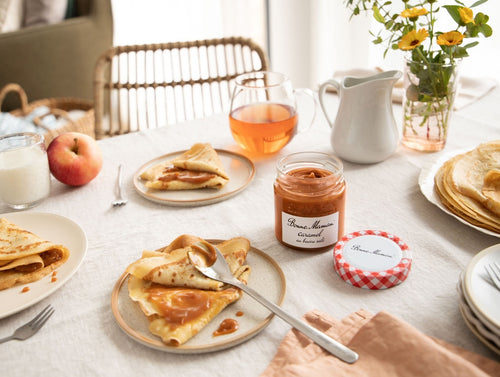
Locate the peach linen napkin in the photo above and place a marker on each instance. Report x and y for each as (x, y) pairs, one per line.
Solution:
(470, 89)
(386, 346)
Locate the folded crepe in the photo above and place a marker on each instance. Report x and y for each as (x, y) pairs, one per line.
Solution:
(25, 257)
(199, 167)
(171, 267)
(178, 300)
(177, 314)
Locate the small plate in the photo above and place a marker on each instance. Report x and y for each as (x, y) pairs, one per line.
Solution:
(239, 168)
(484, 334)
(266, 278)
(482, 296)
(54, 228)
(426, 183)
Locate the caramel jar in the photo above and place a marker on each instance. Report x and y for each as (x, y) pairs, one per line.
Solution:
(309, 201)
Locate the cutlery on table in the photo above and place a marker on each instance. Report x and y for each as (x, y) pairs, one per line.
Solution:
(493, 270)
(219, 270)
(120, 201)
(31, 328)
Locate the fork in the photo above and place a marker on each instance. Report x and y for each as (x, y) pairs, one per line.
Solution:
(31, 328)
(120, 201)
(493, 270)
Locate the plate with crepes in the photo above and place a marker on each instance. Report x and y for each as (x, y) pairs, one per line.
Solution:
(59, 230)
(454, 183)
(239, 169)
(266, 277)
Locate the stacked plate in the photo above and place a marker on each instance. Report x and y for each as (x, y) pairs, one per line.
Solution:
(480, 299)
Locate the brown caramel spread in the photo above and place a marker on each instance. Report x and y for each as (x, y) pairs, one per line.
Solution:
(183, 304)
(25, 289)
(28, 267)
(50, 256)
(239, 313)
(227, 326)
(190, 176)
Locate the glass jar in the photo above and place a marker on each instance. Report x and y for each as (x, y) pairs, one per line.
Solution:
(24, 170)
(309, 201)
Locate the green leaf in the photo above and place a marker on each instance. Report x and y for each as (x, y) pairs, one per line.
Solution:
(472, 44)
(478, 3)
(377, 15)
(486, 30)
(454, 13)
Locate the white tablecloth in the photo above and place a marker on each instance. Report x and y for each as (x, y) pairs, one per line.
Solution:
(82, 338)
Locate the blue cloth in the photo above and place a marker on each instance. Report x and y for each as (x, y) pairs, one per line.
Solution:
(12, 124)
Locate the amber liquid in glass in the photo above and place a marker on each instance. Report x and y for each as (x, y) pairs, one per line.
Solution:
(263, 127)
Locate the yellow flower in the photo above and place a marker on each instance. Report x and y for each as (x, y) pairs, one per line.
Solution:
(413, 12)
(466, 15)
(413, 39)
(450, 38)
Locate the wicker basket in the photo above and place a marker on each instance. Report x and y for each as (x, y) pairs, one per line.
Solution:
(58, 107)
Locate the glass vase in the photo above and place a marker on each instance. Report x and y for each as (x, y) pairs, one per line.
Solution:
(430, 91)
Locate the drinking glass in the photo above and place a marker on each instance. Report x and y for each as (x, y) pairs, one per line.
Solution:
(24, 170)
(263, 116)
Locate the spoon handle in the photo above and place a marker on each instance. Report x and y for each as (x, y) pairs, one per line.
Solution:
(335, 348)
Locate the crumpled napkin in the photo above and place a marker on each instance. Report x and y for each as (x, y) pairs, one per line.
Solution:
(386, 346)
(470, 89)
(12, 124)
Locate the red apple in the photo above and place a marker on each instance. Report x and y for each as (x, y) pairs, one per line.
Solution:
(74, 158)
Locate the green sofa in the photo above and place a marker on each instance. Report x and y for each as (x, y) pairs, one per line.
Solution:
(57, 60)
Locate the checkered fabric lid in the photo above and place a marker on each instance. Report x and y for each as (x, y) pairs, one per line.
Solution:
(372, 259)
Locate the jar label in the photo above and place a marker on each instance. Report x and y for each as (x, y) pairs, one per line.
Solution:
(310, 232)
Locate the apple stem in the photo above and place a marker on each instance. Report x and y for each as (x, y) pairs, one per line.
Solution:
(75, 147)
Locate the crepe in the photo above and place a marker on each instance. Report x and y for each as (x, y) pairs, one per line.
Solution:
(199, 167)
(469, 185)
(178, 314)
(171, 267)
(25, 257)
(177, 299)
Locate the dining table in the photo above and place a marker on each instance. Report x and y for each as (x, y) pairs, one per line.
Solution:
(84, 338)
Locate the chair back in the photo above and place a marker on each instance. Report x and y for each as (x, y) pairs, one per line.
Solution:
(148, 86)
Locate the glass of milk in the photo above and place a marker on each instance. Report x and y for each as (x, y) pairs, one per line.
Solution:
(24, 170)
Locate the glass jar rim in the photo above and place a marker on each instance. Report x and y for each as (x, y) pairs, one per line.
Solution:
(269, 79)
(323, 160)
(455, 63)
(19, 140)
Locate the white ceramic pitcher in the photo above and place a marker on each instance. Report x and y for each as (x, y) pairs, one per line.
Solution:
(364, 130)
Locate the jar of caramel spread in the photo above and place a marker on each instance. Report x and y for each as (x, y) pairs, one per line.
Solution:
(309, 201)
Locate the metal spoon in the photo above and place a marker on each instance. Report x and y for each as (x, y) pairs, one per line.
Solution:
(219, 270)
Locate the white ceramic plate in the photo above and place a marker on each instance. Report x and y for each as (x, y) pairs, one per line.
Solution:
(426, 183)
(481, 295)
(57, 229)
(266, 278)
(239, 168)
(474, 323)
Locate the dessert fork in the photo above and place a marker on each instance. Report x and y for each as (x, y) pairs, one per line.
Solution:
(493, 270)
(31, 328)
(120, 201)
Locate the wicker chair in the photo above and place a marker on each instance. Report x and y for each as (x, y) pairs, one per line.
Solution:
(148, 86)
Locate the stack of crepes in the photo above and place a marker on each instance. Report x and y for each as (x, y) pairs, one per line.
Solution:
(469, 185)
(178, 299)
(25, 257)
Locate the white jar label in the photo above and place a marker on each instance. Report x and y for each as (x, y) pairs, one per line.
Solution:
(310, 232)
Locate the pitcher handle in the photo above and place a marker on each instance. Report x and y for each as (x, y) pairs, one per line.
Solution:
(321, 93)
(309, 93)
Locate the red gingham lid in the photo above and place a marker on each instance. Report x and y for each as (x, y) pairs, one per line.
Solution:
(372, 259)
